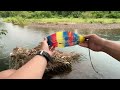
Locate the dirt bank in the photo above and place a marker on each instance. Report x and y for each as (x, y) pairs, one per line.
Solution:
(75, 26)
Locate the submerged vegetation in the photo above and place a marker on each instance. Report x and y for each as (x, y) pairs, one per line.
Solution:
(3, 32)
(28, 17)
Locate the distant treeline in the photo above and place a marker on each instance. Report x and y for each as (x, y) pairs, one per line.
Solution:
(60, 14)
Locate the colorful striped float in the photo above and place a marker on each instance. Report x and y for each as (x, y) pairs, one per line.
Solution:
(65, 39)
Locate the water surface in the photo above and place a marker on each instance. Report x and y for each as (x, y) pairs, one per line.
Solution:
(27, 37)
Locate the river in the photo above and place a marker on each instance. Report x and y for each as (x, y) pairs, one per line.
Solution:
(108, 67)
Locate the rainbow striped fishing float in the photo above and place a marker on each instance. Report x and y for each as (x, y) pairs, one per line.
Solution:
(65, 39)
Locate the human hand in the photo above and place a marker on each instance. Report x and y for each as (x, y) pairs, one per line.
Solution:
(93, 42)
(45, 47)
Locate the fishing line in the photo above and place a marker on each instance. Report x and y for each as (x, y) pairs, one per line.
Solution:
(91, 59)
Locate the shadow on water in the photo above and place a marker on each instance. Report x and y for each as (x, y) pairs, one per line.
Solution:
(29, 37)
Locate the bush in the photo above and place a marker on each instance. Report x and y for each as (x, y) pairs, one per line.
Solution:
(113, 14)
(41, 14)
(61, 14)
(16, 20)
(25, 14)
(75, 14)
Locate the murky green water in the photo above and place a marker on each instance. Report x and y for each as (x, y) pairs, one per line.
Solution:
(30, 37)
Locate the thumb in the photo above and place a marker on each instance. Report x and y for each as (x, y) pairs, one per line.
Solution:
(45, 39)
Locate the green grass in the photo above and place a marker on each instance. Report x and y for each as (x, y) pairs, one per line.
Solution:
(16, 20)
(21, 21)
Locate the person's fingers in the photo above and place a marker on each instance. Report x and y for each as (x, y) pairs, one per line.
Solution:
(45, 39)
(83, 44)
(41, 43)
(53, 49)
(53, 52)
(89, 36)
(50, 48)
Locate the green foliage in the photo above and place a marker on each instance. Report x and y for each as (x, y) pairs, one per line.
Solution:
(41, 14)
(16, 20)
(5, 14)
(25, 17)
(60, 14)
(25, 14)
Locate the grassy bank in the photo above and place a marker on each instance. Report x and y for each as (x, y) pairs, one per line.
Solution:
(22, 21)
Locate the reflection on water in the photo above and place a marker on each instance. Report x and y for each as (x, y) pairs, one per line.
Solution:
(30, 37)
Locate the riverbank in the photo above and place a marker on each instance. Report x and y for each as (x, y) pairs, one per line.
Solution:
(67, 23)
(20, 20)
(75, 26)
